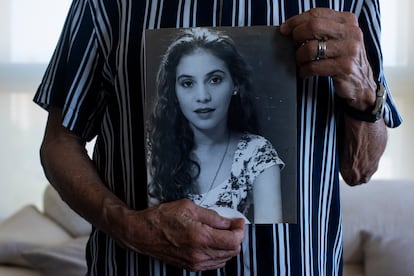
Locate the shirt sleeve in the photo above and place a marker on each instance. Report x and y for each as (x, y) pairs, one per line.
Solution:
(370, 24)
(73, 79)
(264, 157)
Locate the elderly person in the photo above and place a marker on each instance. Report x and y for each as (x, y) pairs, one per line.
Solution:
(92, 87)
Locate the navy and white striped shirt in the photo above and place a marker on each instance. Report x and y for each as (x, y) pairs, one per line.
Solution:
(96, 75)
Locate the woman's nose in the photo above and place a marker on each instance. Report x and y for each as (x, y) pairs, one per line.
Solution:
(203, 94)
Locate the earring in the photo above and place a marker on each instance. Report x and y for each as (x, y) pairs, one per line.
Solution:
(235, 92)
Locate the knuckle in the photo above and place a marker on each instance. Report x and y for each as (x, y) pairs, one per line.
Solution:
(351, 18)
(345, 66)
(314, 25)
(315, 12)
(358, 34)
(186, 206)
(348, 66)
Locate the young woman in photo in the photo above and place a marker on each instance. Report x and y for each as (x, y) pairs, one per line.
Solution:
(203, 138)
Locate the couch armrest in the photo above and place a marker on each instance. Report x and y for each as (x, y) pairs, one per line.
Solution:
(380, 208)
(56, 209)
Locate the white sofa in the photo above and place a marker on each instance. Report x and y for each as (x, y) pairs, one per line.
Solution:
(51, 242)
(377, 221)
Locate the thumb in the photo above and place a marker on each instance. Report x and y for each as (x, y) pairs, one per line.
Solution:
(213, 219)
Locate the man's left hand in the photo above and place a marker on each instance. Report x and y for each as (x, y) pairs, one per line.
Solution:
(345, 59)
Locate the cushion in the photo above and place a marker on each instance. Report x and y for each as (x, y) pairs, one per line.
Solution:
(18, 271)
(65, 259)
(61, 213)
(27, 229)
(389, 254)
(360, 211)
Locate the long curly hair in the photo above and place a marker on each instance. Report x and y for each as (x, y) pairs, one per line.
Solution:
(171, 139)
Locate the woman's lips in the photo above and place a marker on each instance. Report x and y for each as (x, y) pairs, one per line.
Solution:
(204, 110)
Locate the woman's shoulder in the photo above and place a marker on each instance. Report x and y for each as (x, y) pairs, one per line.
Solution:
(255, 147)
(255, 154)
(252, 145)
(253, 140)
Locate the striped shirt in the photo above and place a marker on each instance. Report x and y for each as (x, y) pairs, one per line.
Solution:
(95, 76)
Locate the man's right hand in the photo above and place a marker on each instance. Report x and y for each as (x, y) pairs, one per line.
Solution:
(180, 233)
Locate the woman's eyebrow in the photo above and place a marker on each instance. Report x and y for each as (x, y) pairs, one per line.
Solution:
(215, 71)
(184, 76)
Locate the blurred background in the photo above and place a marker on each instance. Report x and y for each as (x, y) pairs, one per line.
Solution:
(29, 31)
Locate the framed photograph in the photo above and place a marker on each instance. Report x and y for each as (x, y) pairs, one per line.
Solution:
(221, 120)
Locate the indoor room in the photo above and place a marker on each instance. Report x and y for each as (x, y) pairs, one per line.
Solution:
(377, 216)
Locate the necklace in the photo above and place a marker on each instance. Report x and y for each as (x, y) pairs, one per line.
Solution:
(217, 171)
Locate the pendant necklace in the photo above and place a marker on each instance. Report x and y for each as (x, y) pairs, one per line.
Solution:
(217, 171)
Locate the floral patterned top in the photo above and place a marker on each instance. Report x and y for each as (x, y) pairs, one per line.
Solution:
(253, 155)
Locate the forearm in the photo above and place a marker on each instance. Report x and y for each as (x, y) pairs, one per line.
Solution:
(361, 145)
(70, 170)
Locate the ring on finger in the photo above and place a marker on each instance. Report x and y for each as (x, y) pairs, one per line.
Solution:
(321, 53)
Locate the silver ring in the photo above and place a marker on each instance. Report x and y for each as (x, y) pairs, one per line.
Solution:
(321, 50)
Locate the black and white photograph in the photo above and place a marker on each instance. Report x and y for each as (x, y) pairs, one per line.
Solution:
(220, 113)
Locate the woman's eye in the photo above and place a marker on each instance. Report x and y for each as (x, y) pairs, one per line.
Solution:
(186, 83)
(216, 80)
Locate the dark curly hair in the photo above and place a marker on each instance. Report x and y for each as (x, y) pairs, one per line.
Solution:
(171, 139)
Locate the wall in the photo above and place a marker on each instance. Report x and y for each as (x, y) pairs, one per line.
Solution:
(398, 42)
(22, 180)
(397, 160)
(24, 52)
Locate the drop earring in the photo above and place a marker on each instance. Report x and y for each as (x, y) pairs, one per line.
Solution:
(235, 92)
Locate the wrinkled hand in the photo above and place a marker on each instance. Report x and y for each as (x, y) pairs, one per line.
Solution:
(183, 234)
(346, 60)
